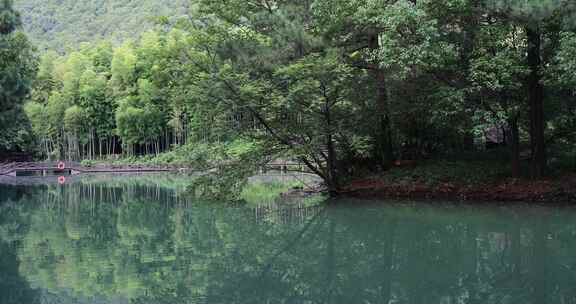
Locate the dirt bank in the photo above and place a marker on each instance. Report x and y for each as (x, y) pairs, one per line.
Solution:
(554, 190)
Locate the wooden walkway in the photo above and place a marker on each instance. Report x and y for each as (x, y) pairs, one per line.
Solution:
(74, 168)
(47, 169)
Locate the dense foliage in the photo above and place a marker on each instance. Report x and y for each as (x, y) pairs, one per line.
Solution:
(342, 87)
(60, 25)
(17, 69)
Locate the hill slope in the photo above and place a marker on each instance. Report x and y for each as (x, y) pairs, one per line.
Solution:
(56, 24)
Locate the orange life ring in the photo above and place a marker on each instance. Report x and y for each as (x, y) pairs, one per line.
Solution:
(61, 180)
(61, 166)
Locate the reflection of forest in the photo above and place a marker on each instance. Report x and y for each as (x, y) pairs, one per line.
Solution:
(13, 288)
(148, 246)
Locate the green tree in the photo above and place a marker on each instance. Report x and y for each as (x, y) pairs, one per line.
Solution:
(392, 40)
(542, 23)
(497, 73)
(17, 70)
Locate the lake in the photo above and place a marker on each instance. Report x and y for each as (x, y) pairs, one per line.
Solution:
(143, 240)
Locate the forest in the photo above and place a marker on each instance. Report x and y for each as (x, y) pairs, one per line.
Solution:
(62, 25)
(346, 88)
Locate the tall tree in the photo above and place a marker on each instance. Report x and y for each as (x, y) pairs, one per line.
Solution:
(17, 69)
(393, 40)
(542, 23)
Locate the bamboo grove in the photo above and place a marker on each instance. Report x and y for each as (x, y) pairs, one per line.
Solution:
(340, 86)
(101, 100)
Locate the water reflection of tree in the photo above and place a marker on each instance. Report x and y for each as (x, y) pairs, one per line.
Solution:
(378, 258)
(149, 247)
(13, 288)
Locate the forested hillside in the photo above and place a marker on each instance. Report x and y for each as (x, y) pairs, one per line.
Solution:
(344, 89)
(57, 24)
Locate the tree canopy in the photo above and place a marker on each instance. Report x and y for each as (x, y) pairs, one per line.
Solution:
(344, 88)
(17, 71)
(61, 25)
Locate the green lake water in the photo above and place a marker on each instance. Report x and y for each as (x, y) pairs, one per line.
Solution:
(115, 240)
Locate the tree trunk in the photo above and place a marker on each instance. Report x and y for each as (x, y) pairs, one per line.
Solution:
(47, 146)
(383, 133)
(332, 175)
(515, 146)
(471, 27)
(62, 152)
(536, 103)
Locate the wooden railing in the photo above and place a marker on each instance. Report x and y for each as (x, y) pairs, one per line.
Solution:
(12, 169)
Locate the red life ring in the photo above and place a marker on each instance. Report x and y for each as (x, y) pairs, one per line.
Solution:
(61, 180)
(61, 166)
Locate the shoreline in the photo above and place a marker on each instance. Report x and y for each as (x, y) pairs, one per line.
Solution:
(550, 191)
(556, 190)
